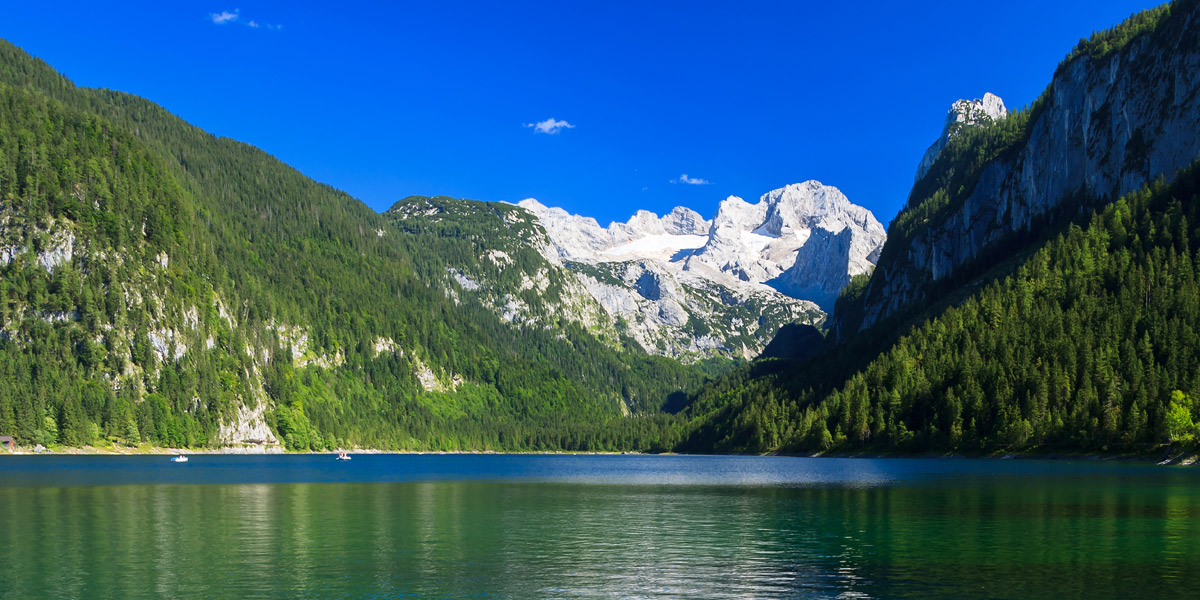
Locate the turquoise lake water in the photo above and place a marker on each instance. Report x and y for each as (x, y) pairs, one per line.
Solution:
(503, 526)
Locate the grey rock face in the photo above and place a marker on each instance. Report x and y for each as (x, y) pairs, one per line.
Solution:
(648, 286)
(823, 266)
(1110, 126)
(760, 244)
(963, 113)
(782, 241)
(684, 286)
(687, 317)
(684, 221)
(577, 237)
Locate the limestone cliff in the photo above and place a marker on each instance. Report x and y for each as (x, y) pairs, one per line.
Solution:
(1108, 123)
(776, 246)
(962, 114)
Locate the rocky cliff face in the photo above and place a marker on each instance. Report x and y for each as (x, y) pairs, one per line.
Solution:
(760, 247)
(963, 113)
(681, 315)
(617, 282)
(577, 237)
(782, 241)
(1108, 126)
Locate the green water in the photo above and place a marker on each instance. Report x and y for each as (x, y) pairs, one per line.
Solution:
(595, 527)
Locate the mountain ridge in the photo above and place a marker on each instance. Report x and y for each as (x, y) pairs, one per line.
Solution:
(1109, 122)
(1052, 321)
(664, 312)
(755, 244)
(164, 285)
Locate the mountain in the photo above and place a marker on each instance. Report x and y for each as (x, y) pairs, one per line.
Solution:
(1039, 290)
(963, 114)
(509, 263)
(804, 241)
(1118, 114)
(162, 285)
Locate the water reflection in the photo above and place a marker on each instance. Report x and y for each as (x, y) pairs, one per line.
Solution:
(1109, 535)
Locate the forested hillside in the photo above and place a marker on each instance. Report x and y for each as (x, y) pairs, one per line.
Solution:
(1092, 343)
(1072, 329)
(1122, 110)
(502, 256)
(159, 284)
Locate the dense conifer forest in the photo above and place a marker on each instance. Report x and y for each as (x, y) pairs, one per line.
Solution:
(158, 283)
(208, 263)
(1091, 344)
(1078, 332)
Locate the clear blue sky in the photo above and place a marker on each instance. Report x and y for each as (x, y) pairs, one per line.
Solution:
(391, 99)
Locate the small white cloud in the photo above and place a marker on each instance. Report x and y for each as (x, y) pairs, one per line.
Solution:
(224, 17)
(234, 16)
(691, 180)
(550, 126)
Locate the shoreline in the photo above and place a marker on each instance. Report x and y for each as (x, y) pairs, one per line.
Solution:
(147, 450)
(1168, 457)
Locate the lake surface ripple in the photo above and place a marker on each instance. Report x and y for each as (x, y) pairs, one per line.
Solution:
(503, 526)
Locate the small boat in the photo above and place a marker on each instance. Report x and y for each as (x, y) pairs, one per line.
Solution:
(180, 458)
(343, 456)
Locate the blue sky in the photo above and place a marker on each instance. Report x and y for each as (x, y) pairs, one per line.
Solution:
(391, 99)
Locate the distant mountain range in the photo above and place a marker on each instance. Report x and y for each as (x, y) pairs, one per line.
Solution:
(805, 240)
(679, 285)
(690, 288)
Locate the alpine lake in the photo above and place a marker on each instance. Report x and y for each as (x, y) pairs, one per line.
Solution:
(576, 526)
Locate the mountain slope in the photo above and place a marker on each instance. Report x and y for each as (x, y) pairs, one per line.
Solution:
(1086, 346)
(160, 284)
(500, 256)
(691, 288)
(761, 247)
(1017, 303)
(1123, 110)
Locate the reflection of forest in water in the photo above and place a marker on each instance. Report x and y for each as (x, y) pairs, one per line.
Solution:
(954, 537)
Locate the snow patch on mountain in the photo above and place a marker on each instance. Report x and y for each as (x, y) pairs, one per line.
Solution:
(757, 246)
(657, 246)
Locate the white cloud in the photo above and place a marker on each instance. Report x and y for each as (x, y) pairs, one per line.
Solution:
(227, 17)
(224, 17)
(550, 126)
(691, 180)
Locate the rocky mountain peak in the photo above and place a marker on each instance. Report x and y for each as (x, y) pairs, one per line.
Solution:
(980, 110)
(769, 242)
(1106, 127)
(746, 244)
(685, 221)
(734, 211)
(812, 204)
(963, 113)
(644, 221)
